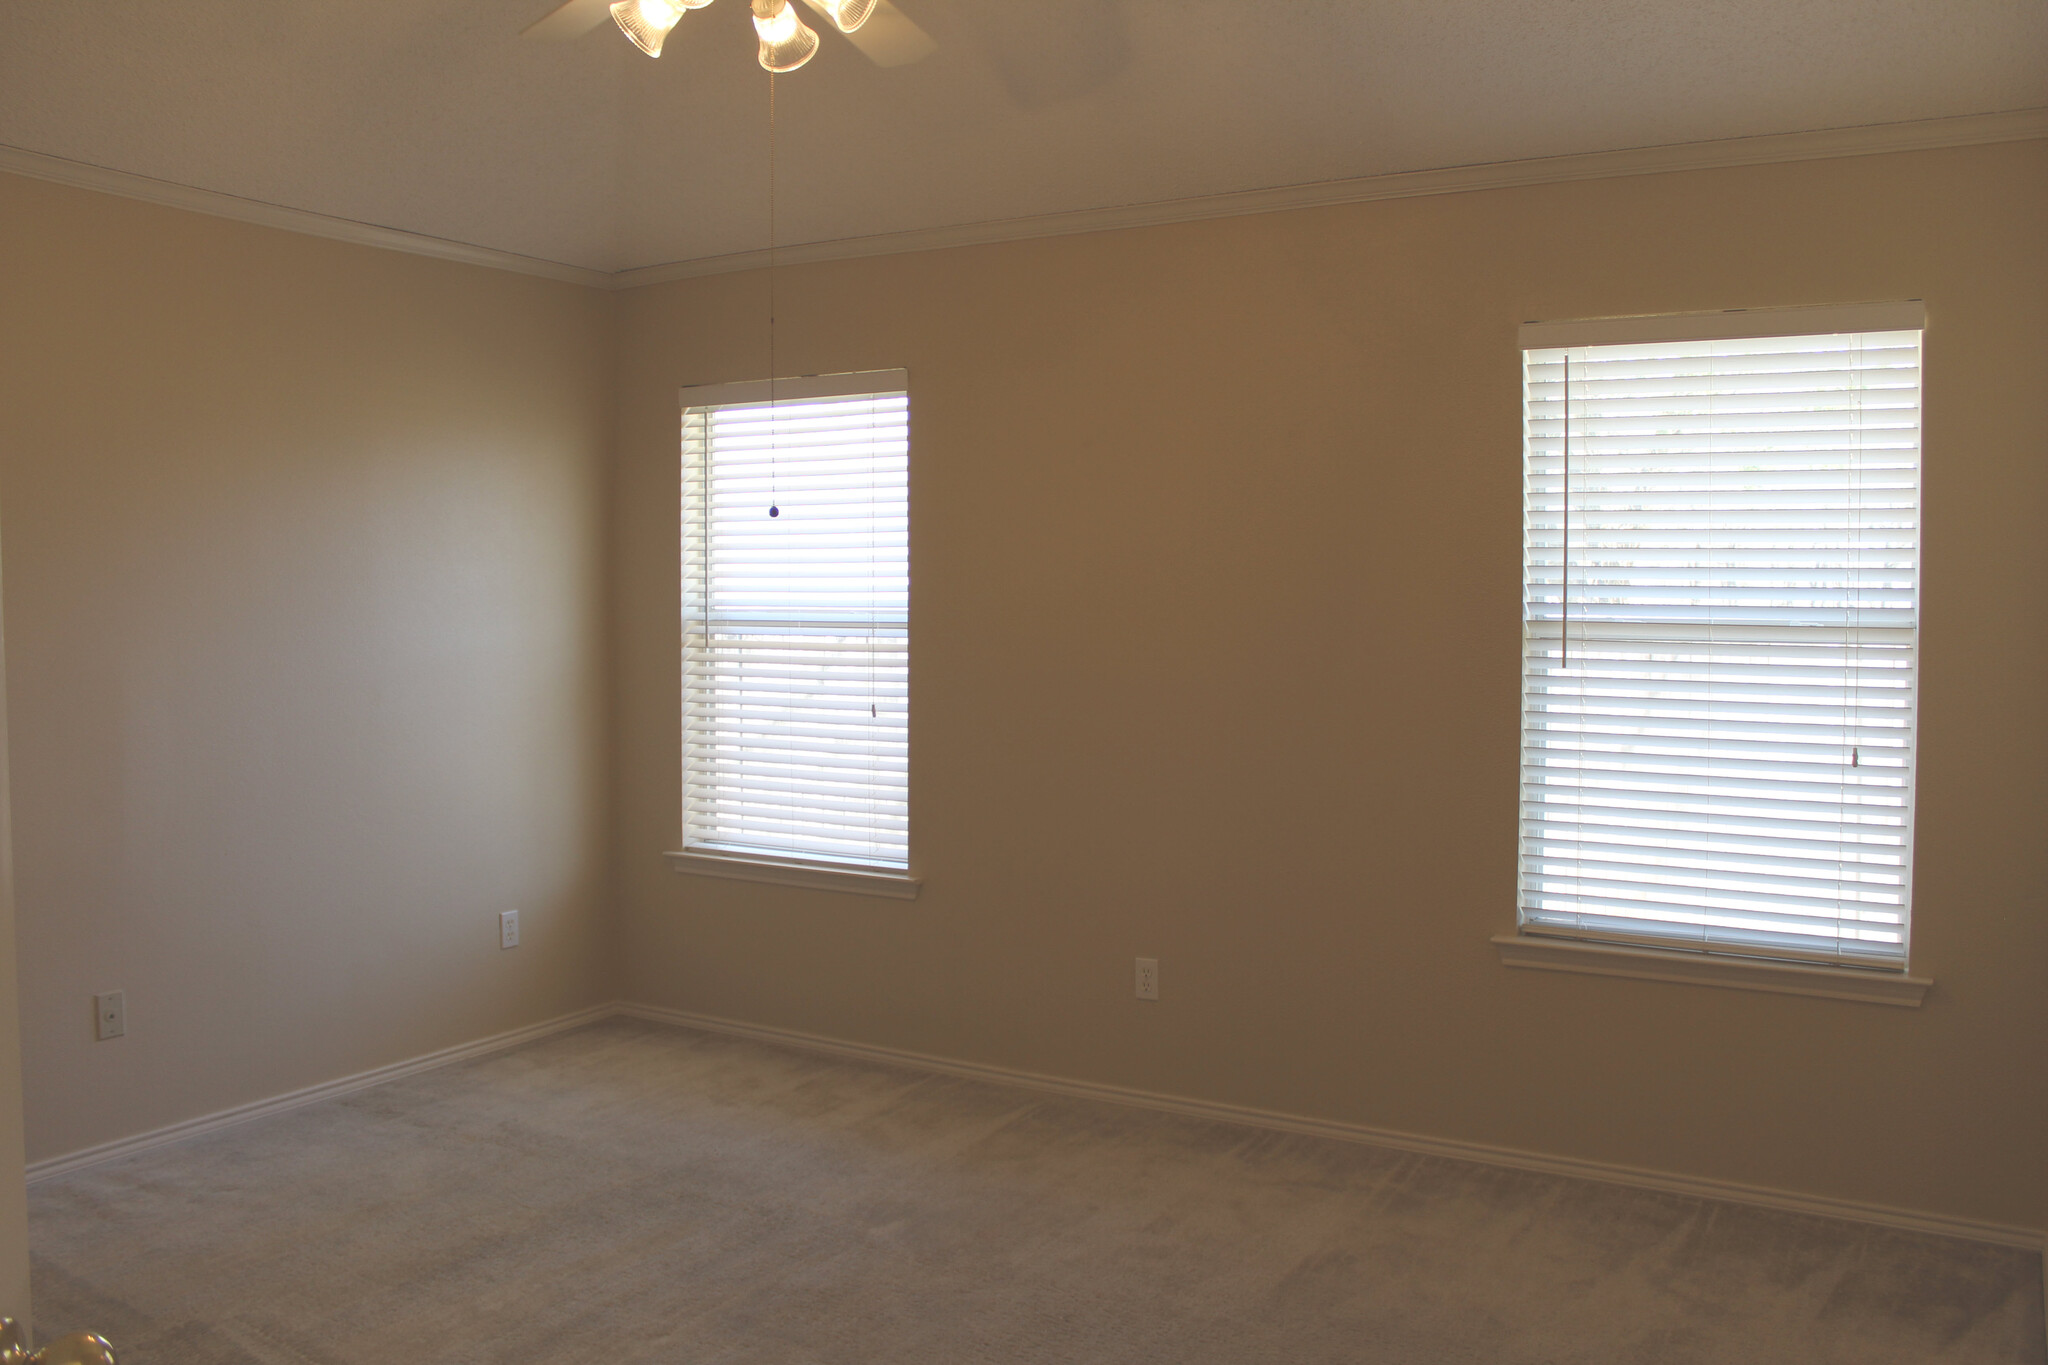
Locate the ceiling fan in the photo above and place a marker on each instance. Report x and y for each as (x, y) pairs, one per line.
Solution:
(882, 32)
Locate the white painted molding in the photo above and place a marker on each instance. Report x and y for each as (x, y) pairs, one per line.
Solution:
(83, 175)
(1868, 140)
(1901, 315)
(814, 876)
(846, 384)
(1874, 139)
(1707, 969)
(1879, 1215)
(312, 1094)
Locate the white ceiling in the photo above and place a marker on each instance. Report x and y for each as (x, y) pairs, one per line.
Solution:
(435, 117)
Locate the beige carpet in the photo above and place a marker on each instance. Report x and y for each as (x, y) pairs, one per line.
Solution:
(632, 1193)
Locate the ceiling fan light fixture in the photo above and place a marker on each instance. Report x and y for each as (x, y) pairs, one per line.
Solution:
(849, 15)
(786, 42)
(647, 22)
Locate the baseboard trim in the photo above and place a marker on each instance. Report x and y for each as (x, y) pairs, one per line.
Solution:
(277, 1104)
(2031, 1239)
(1878, 1215)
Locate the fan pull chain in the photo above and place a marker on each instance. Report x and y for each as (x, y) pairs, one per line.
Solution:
(774, 417)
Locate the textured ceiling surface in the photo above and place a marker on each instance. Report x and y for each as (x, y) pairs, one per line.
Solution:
(434, 115)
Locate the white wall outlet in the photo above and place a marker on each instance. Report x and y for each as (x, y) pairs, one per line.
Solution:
(109, 1014)
(508, 928)
(1148, 978)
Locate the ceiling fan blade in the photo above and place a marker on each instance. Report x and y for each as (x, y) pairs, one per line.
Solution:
(888, 38)
(572, 20)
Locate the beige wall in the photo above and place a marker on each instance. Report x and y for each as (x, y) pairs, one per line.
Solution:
(1215, 565)
(1216, 572)
(304, 603)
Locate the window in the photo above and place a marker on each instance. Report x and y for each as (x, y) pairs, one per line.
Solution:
(796, 632)
(1720, 551)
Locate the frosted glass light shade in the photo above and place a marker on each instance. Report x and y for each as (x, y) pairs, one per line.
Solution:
(80, 1348)
(647, 22)
(849, 15)
(786, 42)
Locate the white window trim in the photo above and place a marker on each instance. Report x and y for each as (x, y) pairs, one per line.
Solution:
(1730, 324)
(1779, 977)
(795, 872)
(769, 868)
(848, 385)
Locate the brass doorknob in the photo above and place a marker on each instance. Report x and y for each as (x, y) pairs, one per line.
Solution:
(79, 1348)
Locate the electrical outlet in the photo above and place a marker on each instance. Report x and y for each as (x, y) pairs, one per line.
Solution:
(110, 1015)
(1148, 978)
(508, 928)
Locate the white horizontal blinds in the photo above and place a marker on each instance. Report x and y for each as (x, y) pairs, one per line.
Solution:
(796, 628)
(1721, 568)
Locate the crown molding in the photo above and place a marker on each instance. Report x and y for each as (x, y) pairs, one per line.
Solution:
(86, 176)
(1874, 139)
(1966, 130)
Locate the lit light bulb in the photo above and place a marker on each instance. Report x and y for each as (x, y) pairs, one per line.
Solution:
(786, 43)
(647, 22)
(849, 14)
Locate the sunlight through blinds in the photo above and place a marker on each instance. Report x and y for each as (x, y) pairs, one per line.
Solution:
(1721, 587)
(796, 631)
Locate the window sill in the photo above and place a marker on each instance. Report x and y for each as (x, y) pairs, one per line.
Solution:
(815, 876)
(1701, 969)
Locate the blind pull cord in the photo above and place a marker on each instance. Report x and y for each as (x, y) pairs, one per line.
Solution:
(1857, 557)
(1564, 578)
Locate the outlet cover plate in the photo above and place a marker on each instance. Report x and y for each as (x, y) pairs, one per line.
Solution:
(110, 1015)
